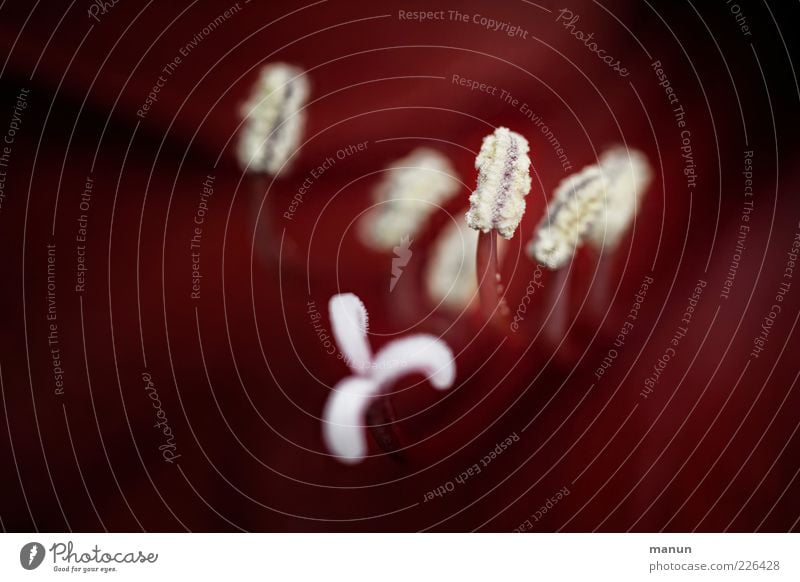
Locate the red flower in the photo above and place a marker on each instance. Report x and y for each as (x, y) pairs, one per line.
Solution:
(167, 352)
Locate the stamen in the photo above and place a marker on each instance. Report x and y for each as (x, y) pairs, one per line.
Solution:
(488, 275)
(413, 188)
(503, 165)
(628, 174)
(344, 417)
(274, 119)
(450, 276)
(576, 206)
(497, 206)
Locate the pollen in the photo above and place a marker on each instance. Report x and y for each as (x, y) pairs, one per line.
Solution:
(273, 119)
(498, 201)
(450, 277)
(628, 175)
(576, 206)
(414, 187)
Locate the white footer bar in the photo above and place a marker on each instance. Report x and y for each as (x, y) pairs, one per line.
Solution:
(390, 557)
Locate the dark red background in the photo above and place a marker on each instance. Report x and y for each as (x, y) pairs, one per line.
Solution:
(714, 448)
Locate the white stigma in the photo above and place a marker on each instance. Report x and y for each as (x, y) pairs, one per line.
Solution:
(350, 324)
(273, 119)
(576, 206)
(504, 180)
(414, 188)
(344, 417)
(628, 174)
